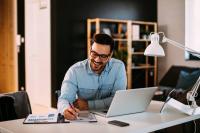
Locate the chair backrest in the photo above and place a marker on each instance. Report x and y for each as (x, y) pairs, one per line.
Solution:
(21, 103)
(57, 92)
(7, 109)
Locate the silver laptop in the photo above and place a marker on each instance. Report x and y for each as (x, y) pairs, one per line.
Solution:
(128, 102)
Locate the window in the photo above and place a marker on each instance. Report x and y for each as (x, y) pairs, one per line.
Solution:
(192, 26)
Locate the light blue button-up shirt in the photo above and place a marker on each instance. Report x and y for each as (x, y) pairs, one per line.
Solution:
(98, 90)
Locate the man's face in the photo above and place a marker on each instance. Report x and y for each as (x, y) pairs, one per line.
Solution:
(99, 56)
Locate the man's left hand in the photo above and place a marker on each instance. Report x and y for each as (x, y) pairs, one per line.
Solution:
(81, 104)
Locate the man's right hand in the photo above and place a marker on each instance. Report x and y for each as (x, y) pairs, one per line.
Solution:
(71, 113)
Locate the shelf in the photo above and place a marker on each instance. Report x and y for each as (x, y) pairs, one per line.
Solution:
(122, 40)
(110, 20)
(141, 40)
(137, 53)
(142, 67)
(144, 23)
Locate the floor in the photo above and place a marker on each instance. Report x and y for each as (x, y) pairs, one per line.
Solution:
(41, 109)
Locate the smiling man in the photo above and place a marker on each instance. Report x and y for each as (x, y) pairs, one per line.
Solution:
(92, 83)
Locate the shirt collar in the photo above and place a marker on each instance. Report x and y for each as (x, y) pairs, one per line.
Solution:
(89, 70)
(106, 69)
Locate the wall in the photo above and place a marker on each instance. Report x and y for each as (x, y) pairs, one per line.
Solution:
(8, 51)
(69, 31)
(171, 20)
(37, 51)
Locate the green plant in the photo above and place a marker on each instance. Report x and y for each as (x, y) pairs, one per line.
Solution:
(121, 55)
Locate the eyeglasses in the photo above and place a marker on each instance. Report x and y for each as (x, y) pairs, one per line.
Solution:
(94, 54)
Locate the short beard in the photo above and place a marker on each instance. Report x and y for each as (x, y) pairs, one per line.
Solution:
(100, 68)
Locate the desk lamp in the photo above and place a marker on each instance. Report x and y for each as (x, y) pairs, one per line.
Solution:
(155, 49)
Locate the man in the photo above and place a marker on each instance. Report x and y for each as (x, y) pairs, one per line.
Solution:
(94, 81)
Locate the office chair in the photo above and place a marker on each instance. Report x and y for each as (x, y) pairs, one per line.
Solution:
(7, 109)
(21, 103)
(57, 93)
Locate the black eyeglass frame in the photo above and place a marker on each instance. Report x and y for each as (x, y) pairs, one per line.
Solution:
(94, 54)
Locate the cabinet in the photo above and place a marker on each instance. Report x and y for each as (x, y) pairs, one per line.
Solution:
(8, 48)
(131, 38)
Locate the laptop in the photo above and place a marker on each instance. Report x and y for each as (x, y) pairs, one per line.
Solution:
(128, 102)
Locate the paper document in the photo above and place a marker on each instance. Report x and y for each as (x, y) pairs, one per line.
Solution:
(183, 108)
(85, 116)
(44, 118)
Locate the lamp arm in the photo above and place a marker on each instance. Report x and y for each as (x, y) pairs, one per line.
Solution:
(193, 93)
(181, 46)
(195, 87)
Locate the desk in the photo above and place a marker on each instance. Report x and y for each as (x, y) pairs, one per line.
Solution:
(144, 122)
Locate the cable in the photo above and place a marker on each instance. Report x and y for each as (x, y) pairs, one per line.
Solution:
(167, 99)
(171, 92)
(195, 125)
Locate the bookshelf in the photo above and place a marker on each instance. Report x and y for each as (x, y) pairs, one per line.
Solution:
(131, 38)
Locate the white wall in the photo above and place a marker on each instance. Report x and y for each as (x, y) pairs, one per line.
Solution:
(171, 20)
(37, 51)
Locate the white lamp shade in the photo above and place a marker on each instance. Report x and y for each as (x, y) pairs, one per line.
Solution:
(154, 48)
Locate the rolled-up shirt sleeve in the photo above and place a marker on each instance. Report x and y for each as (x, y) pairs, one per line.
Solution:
(119, 84)
(68, 91)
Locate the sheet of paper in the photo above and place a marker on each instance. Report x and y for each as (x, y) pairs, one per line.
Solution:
(85, 116)
(43, 118)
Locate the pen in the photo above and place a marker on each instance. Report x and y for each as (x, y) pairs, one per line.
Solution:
(72, 106)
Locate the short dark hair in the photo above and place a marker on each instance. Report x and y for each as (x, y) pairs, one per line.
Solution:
(104, 39)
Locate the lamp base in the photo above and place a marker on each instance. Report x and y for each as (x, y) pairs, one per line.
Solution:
(187, 109)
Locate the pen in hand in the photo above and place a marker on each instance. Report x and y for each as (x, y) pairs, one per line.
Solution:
(72, 106)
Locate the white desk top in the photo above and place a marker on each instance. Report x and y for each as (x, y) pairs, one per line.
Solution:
(144, 122)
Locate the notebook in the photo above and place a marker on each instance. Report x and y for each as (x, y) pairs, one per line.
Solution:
(128, 102)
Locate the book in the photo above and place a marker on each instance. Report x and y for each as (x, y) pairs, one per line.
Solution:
(135, 32)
